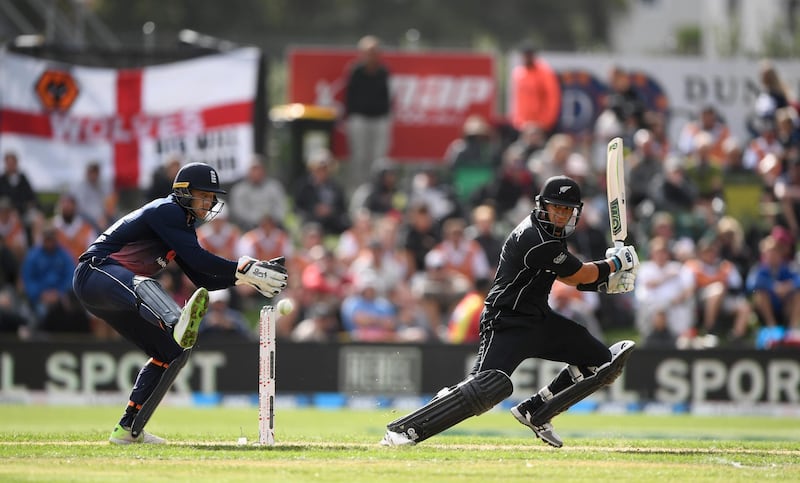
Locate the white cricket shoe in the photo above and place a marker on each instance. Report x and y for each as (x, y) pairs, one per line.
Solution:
(122, 435)
(185, 330)
(392, 438)
(545, 432)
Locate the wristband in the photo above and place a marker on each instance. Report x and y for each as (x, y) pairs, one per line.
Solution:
(603, 270)
(617, 263)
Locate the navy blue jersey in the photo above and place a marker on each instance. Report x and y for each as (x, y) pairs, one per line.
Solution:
(530, 261)
(146, 240)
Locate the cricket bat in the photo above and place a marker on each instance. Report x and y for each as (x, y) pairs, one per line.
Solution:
(615, 189)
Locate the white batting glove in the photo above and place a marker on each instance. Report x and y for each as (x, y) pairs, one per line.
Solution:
(621, 282)
(268, 277)
(625, 257)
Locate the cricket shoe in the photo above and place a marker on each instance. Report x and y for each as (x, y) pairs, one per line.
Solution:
(545, 431)
(122, 435)
(392, 438)
(185, 331)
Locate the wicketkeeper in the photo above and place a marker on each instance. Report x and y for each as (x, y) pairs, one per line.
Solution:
(114, 281)
(517, 323)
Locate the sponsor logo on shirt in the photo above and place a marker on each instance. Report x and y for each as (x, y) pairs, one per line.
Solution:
(560, 258)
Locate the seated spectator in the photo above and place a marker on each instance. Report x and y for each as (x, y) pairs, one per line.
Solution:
(47, 275)
(461, 254)
(711, 123)
(325, 280)
(73, 231)
(366, 316)
(512, 189)
(577, 305)
(250, 197)
(355, 239)
(319, 198)
(471, 158)
(264, 242)
(223, 321)
(775, 289)
(420, 234)
(220, 235)
(463, 326)
(674, 192)
(96, 199)
(412, 321)
(321, 324)
(162, 179)
(381, 195)
(12, 230)
(719, 291)
(427, 188)
(15, 318)
(438, 290)
(663, 286)
(482, 230)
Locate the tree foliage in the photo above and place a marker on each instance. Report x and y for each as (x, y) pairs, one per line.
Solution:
(274, 24)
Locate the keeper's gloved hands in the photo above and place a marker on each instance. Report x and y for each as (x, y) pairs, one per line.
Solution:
(268, 277)
(621, 282)
(624, 258)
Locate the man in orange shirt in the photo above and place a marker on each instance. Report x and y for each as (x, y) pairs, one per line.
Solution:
(535, 92)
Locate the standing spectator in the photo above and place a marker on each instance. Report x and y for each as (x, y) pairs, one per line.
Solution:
(73, 231)
(14, 184)
(256, 194)
(97, 201)
(319, 198)
(368, 105)
(774, 95)
(535, 92)
(47, 274)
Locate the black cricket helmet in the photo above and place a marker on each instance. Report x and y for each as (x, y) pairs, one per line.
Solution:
(561, 191)
(199, 177)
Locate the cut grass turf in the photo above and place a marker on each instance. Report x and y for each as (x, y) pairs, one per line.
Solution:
(44, 443)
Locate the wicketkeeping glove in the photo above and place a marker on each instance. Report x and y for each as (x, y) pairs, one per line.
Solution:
(268, 277)
(621, 282)
(625, 258)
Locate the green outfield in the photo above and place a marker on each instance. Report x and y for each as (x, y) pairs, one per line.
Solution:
(45, 443)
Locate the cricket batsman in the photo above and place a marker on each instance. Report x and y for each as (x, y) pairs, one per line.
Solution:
(113, 280)
(517, 323)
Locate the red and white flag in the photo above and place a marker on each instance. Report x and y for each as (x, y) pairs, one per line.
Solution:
(59, 117)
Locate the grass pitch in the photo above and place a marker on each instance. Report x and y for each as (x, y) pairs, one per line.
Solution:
(45, 443)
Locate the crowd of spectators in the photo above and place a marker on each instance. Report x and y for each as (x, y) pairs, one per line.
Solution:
(408, 255)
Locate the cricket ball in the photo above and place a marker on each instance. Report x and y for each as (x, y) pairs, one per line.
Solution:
(285, 306)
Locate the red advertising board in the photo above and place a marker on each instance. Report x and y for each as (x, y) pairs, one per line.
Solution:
(432, 94)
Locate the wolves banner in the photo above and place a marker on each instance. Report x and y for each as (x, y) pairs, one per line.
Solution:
(432, 94)
(59, 117)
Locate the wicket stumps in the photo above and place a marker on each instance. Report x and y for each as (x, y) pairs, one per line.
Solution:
(266, 376)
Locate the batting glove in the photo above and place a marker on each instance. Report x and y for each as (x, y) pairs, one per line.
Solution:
(268, 277)
(624, 258)
(621, 282)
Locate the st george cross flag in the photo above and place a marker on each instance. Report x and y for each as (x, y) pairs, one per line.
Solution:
(60, 117)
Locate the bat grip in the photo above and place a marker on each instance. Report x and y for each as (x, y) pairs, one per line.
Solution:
(619, 244)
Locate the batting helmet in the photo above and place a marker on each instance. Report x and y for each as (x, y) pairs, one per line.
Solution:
(199, 177)
(561, 191)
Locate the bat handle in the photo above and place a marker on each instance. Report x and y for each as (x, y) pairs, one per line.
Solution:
(619, 244)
